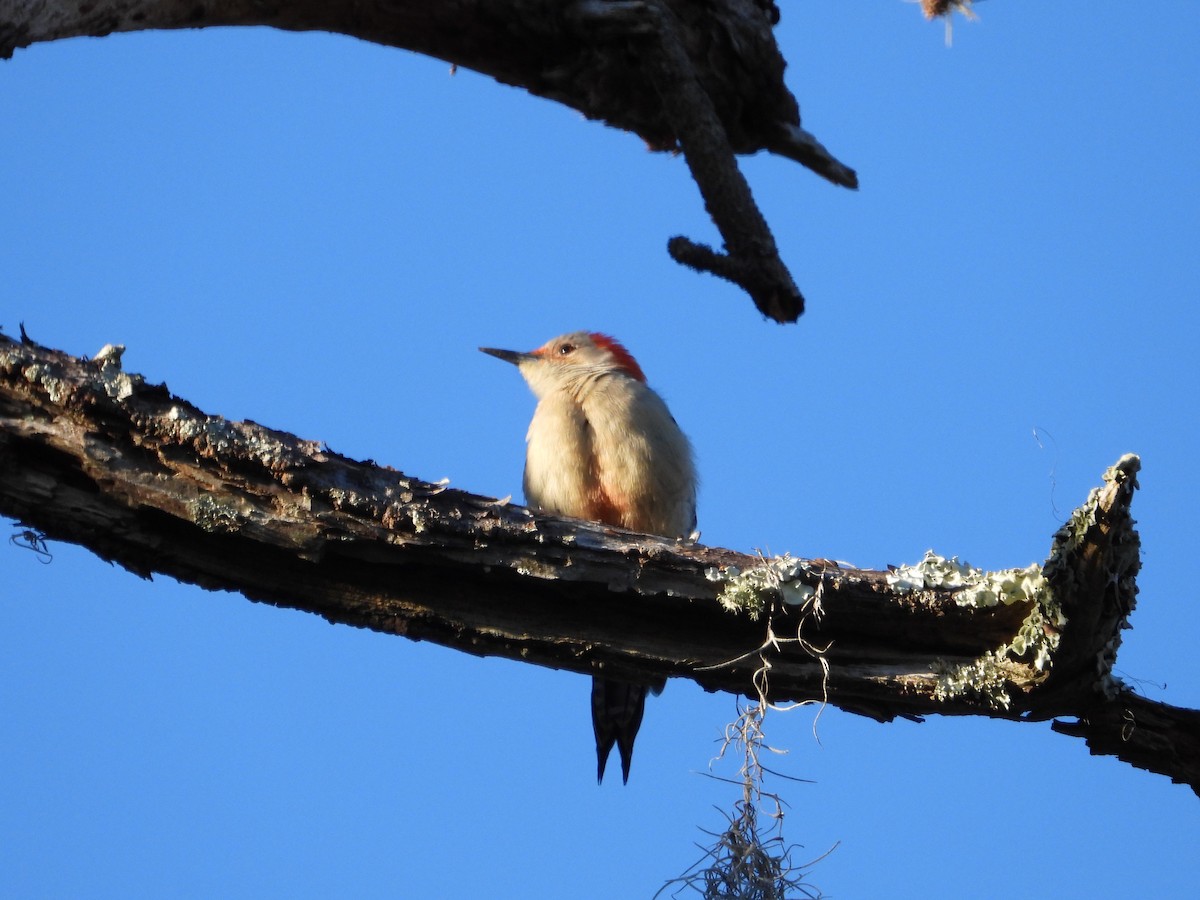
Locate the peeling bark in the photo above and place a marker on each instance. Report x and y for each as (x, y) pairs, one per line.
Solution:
(96, 456)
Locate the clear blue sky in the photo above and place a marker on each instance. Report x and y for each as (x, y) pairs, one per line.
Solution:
(316, 233)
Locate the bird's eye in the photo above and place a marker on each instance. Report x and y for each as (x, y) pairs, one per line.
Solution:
(566, 349)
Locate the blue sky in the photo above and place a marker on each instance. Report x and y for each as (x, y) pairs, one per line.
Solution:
(316, 233)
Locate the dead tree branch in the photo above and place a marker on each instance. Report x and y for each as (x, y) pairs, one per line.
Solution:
(96, 456)
(1153, 736)
(716, 71)
(753, 260)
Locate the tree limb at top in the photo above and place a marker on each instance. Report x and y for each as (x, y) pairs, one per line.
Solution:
(753, 259)
(93, 455)
(716, 72)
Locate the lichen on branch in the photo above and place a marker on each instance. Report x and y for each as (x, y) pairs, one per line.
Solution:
(96, 456)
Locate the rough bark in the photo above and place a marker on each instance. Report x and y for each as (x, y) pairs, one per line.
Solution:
(592, 55)
(96, 456)
(703, 78)
(1152, 736)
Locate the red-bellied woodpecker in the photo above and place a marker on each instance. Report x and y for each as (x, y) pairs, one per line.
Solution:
(603, 446)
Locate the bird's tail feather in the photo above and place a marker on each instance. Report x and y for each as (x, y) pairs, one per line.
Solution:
(617, 709)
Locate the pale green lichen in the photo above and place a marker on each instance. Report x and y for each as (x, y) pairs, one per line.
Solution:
(1034, 642)
(46, 376)
(1037, 638)
(932, 572)
(119, 385)
(972, 587)
(983, 679)
(752, 591)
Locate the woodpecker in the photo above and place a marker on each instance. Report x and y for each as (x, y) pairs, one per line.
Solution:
(603, 446)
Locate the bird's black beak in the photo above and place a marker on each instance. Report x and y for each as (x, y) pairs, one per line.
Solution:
(512, 356)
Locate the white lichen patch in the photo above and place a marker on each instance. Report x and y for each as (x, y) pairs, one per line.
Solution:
(932, 572)
(752, 591)
(110, 355)
(56, 388)
(119, 385)
(213, 516)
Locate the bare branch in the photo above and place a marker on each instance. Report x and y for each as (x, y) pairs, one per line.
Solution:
(1153, 736)
(715, 67)
(96, 456)
(753, 261)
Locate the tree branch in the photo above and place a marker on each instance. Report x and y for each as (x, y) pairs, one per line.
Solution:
(96, 456)
(717, 72)
(1154, 736)
(753, 260)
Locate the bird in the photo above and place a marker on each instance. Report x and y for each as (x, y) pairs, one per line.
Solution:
(603, 446)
